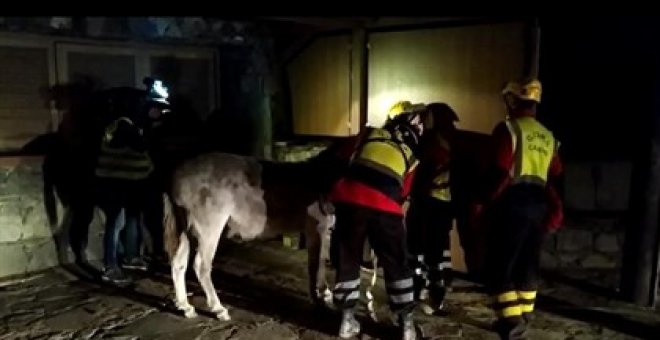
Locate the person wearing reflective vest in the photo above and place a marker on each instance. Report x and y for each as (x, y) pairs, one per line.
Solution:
(523, 204)
(122, 170)
(368, 205)
(430, 215)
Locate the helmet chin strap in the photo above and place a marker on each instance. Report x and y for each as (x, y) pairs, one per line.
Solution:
(411, 131)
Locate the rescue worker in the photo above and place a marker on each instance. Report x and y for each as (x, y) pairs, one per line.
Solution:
(523, 205)
(122, 170)
(430, 216)
(368, 201)
(154, 112)
(343, 152)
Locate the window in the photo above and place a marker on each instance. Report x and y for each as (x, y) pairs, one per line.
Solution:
(25, 75)
(30, 65)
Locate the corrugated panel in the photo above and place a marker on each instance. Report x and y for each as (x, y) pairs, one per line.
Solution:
(106, 70)
(24, 112)
(320, 88)
(187, 78)
(465, 67)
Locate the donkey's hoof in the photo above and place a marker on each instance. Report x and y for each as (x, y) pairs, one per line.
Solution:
(190, 313)
(187, 309)
(222, 315)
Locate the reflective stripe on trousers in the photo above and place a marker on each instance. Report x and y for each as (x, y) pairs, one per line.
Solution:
(514, 303)
(400, 292)
(526, 300)
(346, 291)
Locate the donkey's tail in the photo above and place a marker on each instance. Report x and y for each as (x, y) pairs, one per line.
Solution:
(174, 222)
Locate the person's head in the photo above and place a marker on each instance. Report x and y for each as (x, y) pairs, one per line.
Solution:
(399, 108)
(522, 98)
(440, 117)
(157, 103)
(407, 127)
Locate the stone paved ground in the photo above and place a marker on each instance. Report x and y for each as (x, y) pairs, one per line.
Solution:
(263, 286)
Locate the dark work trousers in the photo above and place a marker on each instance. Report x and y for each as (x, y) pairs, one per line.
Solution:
(153, 214)
(514, 253)
(113, 197)
(428, 224)
(386, 234)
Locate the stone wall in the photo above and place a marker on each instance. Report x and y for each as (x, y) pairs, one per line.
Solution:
(588, 240)
(590, 243)
(28, 240)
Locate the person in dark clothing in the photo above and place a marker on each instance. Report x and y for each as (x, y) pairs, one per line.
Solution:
(122, 169)
(430, 215)
(124, 173)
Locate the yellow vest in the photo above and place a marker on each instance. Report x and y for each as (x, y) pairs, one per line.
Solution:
(533, 148)
(383, 162)
(440, 187)
(122, 163)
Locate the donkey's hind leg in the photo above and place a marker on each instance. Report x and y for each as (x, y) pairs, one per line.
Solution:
(204, 263)
(179, 266)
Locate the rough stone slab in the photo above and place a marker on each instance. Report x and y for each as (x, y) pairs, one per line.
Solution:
(568, 259)
(448, 330)
(268, 331)
(23, 220)
(550, 243)
(598, 261)
(549, 260)
(70, 320)
(12, 224)
(607, 243)
(574, 239)
(157, 325)
(27, 256)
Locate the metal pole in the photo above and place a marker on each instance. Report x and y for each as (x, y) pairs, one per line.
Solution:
(639, 273)
(535, 49)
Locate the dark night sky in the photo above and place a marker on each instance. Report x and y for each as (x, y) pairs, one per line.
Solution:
(598, 76)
